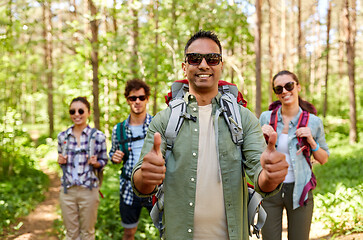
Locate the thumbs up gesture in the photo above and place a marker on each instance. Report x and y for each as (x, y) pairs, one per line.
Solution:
(152, 171)
(274, 166)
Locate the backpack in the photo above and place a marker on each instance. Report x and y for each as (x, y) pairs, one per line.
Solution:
(229, 102)
(303, 145)
(90, 152)
(124, 144)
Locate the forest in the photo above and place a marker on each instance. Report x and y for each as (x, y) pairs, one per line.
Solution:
(52, 51)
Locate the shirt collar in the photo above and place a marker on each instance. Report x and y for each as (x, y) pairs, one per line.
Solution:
(189, 98)
(86, 130)
(295, 119)
(146, 121)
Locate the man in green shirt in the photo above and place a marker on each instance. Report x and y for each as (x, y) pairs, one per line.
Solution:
(205, 193)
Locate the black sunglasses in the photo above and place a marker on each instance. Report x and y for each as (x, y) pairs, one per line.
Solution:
(288, 86)
(73, 111)
(134, 98)
(212, 59)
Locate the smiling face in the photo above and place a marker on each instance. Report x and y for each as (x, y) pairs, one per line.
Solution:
(137, 107)
(203, 77)
(287, 97)
(79, 119)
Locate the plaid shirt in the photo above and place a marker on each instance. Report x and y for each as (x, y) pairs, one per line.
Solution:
(85, 176)
(126, 191)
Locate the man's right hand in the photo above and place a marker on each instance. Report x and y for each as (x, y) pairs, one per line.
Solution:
(117, 156)
(152, 171)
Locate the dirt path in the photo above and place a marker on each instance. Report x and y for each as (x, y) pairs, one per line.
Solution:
(38, 225)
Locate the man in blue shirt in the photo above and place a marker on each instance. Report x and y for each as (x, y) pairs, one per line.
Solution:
(137, 93)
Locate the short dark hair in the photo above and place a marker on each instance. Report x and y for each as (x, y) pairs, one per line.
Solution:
(203, 34)
(136, 84)
(83, 100)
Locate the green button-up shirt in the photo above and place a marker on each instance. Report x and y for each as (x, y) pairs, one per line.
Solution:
(181, 171)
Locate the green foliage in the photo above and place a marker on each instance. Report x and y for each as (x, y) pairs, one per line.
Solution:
(22, 185)
(341, 211)
(108, 225)
(20, 194)
(339, 193)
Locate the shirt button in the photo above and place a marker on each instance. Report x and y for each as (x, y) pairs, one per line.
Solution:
(192, 179)
(191, 204)
(194, 154)
(194, 109)
(189, 230)
(195, 130)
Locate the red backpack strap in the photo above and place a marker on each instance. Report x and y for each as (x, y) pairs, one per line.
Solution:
(304, 145)
(273, 121)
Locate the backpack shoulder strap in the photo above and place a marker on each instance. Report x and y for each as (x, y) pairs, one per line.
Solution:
(273, 119)
(122, 139)
(65, 145)
(231, 113)
(178, 113)
(304, 145)
(92, 142)
(118, 131)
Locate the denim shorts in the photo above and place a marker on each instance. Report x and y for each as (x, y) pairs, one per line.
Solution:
(130, 214)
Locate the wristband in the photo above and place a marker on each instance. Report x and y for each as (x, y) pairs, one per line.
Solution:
(317, 147)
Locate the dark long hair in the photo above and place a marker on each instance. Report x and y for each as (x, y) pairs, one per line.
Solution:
(82, 100)
(305, 105)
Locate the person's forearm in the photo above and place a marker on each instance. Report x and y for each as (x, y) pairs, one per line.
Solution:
(321, 156)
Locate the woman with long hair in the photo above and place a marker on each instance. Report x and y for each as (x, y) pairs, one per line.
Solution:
(82, 154)
(300, 135)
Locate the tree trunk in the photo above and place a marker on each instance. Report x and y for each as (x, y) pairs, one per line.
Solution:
(134, 39)
(94, 61)
(299, 42)
(48, 61)
(156, 83)
(270, 49)
(327, 59)
(258, 56)
(340, 24)
(350, 21)
(283, 33)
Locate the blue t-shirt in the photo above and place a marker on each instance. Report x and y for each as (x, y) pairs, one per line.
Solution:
(136, 145)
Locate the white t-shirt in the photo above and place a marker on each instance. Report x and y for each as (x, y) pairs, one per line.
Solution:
(209, 214)
(283, 147)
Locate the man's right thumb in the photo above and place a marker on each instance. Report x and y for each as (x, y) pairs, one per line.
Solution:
(157, 142)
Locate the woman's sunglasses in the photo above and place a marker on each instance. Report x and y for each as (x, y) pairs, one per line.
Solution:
(212, 59)
(288, 86)
(73, 111)
(134, 98)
